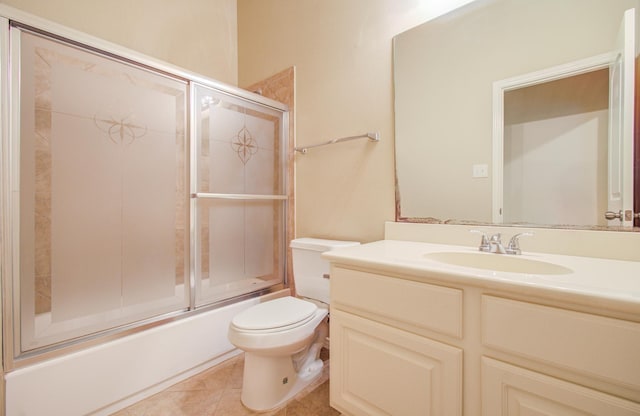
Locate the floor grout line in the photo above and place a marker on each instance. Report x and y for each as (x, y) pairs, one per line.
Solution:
(216, 392)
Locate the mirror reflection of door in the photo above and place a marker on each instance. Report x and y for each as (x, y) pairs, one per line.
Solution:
(555, 151)
(566, 141)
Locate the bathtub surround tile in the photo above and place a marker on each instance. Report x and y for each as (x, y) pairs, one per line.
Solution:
(216, 392)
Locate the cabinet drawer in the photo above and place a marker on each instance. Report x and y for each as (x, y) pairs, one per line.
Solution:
(604, 348)
(422, 305)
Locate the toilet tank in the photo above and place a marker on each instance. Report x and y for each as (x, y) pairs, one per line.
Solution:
(310, 270)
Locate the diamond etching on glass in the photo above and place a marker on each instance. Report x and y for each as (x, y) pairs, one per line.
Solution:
(244, 144)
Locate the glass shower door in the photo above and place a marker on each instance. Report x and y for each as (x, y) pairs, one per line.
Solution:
(102, 191)
(239, 196)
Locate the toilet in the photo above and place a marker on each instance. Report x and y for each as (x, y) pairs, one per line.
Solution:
(282, 338)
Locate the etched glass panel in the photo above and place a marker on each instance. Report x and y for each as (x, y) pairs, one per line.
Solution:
(241, 204)
(240, 248)
(102, 192)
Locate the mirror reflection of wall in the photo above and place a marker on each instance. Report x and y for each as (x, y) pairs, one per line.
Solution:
(443, 75)
(555, 151)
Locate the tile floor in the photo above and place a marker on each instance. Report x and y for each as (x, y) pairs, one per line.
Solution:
(216, 392)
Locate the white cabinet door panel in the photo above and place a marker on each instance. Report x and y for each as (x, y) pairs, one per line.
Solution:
(380, 370)
(510, 390)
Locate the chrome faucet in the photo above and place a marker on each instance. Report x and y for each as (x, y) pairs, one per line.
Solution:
(496, 244)
(493, 244)
(484, 243)
(514, 243)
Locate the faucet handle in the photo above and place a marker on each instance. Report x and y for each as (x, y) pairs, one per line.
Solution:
(514, 243)
(484, 243)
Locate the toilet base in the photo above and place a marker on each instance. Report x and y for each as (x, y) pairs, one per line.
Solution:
(269, 382)
(272, 376)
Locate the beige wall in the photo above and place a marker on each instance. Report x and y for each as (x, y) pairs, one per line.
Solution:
(198, 35)
(342, 53)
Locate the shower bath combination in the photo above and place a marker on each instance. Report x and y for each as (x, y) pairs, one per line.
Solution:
(139, 193)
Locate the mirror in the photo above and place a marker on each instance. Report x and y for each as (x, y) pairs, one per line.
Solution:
(444, 76)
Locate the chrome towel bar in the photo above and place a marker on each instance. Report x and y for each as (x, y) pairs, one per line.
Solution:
(374, 137)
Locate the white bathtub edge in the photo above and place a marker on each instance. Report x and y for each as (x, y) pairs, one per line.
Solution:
(108, 377)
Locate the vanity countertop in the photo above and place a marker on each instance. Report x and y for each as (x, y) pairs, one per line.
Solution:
(592, 281)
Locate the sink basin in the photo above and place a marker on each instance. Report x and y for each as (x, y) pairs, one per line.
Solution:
(497, 262)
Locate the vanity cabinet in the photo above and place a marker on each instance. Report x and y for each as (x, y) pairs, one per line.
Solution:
(404, 344)
(381, 363)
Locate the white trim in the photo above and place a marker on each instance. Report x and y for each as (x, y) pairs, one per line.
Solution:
(538, 77)
(628, 113)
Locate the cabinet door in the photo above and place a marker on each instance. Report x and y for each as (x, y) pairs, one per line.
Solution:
(380, 370)
(511, 390)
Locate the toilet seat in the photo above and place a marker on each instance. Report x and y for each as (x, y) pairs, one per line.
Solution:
(295, 323)
(277, 315)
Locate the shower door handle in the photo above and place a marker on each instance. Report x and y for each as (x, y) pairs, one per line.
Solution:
(245, 197)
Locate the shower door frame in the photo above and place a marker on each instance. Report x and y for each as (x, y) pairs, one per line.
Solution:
(9, 175)
(197, 196)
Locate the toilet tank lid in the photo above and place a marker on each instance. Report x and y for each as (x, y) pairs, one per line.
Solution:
(318, 244)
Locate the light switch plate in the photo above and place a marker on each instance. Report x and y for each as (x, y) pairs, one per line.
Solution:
(480, 171)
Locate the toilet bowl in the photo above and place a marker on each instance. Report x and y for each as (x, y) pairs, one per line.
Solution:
(280, 360)
(282, 338)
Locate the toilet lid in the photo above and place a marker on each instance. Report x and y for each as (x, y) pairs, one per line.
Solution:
(276, 313)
